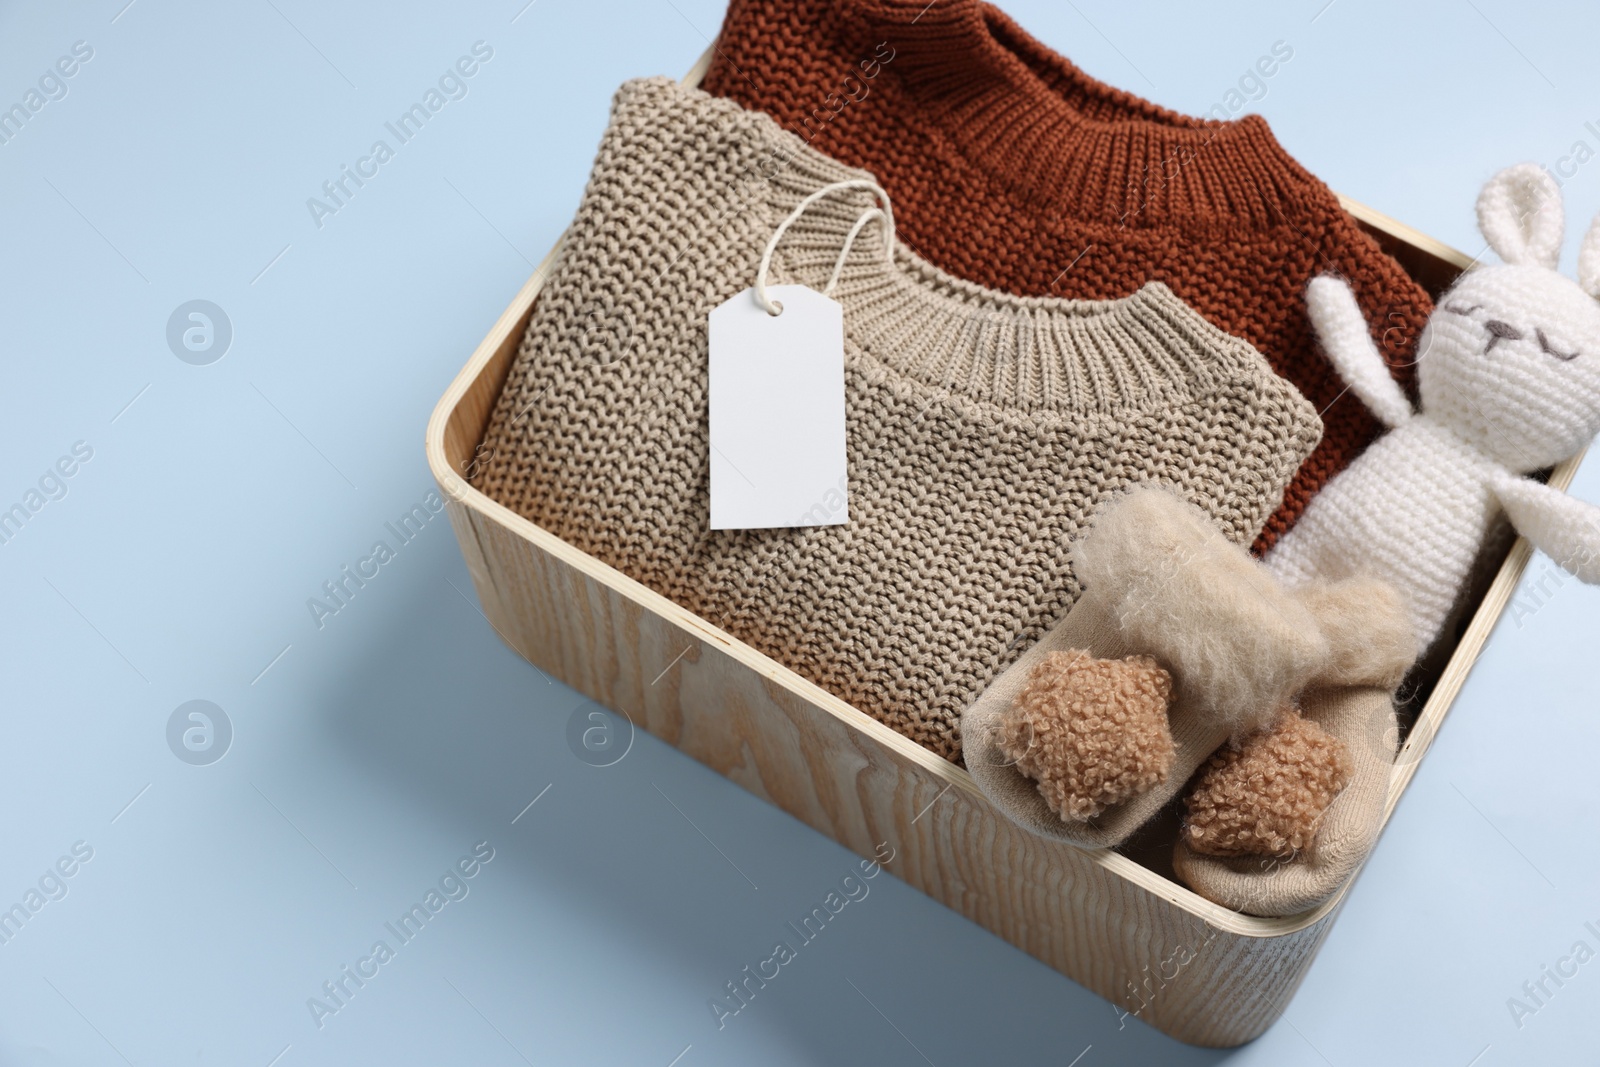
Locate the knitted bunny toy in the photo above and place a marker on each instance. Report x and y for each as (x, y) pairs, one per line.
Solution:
(1509, 372)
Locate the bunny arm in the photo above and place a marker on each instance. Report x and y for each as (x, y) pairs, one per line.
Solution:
(1342, 329)
(1562, 527)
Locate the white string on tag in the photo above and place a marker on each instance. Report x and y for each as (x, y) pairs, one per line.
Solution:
(886, 213)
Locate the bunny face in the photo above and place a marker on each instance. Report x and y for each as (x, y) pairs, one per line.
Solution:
(1510, 358)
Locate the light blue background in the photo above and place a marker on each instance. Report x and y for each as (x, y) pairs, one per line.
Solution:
(379, 748)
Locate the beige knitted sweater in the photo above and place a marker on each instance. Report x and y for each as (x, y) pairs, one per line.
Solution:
(984, 429)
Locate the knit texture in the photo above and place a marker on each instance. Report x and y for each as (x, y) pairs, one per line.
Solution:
(1510, 383)
(982, 428)
(1013, 169)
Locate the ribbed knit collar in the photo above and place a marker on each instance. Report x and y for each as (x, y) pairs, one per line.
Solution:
(1064, 139)
(1022, 354)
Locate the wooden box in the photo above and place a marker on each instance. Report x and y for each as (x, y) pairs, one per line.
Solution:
(1099, 917)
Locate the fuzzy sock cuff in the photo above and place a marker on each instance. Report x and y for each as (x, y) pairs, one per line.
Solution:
(1238, 642)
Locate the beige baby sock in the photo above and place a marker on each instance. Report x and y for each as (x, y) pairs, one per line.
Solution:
(1351, 700)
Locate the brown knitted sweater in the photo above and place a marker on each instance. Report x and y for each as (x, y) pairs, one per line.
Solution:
(1012, 168)
(982, 428)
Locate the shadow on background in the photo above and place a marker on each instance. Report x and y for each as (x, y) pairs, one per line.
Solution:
(440, 709)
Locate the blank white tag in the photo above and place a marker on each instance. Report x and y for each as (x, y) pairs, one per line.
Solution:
(777, 412)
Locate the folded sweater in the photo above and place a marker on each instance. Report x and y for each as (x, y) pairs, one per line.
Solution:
(983, 428)
(1012, 168)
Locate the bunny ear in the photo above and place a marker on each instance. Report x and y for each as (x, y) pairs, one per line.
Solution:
(1589, 260)
(1519, 212)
